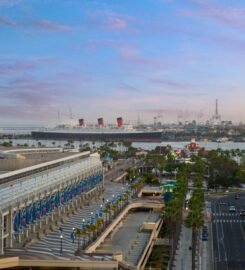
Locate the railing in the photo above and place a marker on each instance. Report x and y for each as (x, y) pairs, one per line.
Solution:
(147, 251)
(124, 266)
(105, 234)
(11, 196)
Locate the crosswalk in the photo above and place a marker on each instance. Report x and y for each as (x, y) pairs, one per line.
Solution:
(229, 221)
(227, 218)
(226, 214)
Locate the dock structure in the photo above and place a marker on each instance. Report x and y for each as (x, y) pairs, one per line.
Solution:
(34, 197)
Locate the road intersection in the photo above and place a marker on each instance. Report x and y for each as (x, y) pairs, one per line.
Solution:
(228, 233)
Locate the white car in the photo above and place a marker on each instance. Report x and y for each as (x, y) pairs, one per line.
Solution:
(232, 209)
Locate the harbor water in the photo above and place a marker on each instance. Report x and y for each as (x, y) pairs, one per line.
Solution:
(146, 146)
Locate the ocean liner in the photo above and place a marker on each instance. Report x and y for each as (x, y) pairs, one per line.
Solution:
(100, 132)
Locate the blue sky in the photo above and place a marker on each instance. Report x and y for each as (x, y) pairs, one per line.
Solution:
(111, 58)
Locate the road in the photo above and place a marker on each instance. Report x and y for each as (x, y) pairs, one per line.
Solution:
(228, 233)
(120, 167)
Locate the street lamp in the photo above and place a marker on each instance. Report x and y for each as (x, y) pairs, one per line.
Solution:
(83, 223)
(73, 235)
(61, 243)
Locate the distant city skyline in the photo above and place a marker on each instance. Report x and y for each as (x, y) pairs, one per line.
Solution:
(107, 58)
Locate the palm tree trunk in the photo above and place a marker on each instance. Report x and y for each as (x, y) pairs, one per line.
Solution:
(79, 237)
(194, 235)
(171, 234)
(84, 242)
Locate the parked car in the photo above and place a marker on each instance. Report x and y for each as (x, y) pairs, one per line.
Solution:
(204, 233)
(242, 212)
(204, 236)
(204, 228)
(222, 203)
(237, 197)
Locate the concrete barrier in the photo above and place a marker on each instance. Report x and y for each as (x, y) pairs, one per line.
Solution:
(148, 249)
(11, 262)
(112, 226)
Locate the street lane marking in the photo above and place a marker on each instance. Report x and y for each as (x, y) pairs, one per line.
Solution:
(228, 220)
(223, 244)
(217, 237)
(243, 234)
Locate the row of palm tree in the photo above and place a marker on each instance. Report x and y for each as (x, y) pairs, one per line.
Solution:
(194, 219)
(89, 230)
(92, 230)
(172, 213)
(137, 186)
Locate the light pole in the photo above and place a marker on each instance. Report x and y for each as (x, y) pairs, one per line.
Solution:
(100, 213)
(83, 226)
(92, 219)
(61, 243)
(73, 235)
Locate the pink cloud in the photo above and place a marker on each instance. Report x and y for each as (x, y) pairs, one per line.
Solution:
(230, 42)
(110, 21)
(17, 112)
(172, 84)
(133, 55)
(9, 66)
(52, 26)
(96, 44)
(4, 21)
(9, 3)
(116, 23)
(35, 97)
(18, 66)
(133, 62)
(33, 94)
(230, 16)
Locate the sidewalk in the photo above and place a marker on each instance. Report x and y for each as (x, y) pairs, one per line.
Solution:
(204, 258)
(183, 254)
(183, 258)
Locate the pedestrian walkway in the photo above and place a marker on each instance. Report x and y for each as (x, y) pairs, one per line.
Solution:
(183, 254)
(51, 244)
(129, 238)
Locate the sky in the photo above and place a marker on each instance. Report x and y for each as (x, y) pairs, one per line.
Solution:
(63, 59)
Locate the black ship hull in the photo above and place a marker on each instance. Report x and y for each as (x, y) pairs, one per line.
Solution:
(130, 137)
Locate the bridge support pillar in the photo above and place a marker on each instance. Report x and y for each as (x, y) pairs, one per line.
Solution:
(40, 223)
(19, 237)
(46, 220)
(27, 233)
(34, 228)
(10, 228)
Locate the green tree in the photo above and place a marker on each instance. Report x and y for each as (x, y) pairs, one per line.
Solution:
(81, 233)
(172, 213)
(194, 220)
